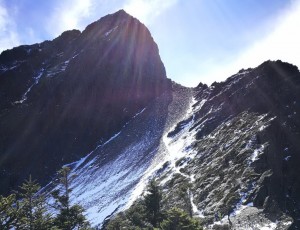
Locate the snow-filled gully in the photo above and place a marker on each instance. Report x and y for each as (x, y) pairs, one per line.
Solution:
(36, 81)
(173, 149)
(177, 148)
(105, 185)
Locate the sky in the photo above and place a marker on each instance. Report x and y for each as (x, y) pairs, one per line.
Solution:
(199, 40)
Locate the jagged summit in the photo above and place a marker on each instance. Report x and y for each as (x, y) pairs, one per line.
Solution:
(61, 98)
(110, 20)
(119, 14)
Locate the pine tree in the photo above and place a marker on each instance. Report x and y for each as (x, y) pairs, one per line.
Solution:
(177, 219)
(117, 223)
(8, 211)
(32, 210)
(152, 201)
(69, 216)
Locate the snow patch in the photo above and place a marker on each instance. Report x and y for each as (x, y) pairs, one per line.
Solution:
(200, 105)
(195, 209)
(110, 31)
(36, 81)
(257, 153)
(175, 148)
(287, 158)
(94, 187)
(287, 223)
(60, 67)
(139, 113)
(268, 226)
(15, 65)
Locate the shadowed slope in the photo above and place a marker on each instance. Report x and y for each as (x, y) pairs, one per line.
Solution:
(61, 98)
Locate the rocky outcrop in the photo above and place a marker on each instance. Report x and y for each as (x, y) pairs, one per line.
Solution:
(60, 99)
(239, 151)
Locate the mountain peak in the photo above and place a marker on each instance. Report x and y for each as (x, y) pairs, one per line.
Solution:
(110, 21)
(112, 68)
(121, 12)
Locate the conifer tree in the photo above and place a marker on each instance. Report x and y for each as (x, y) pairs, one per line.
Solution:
(177, 219)
(8, 211)
(69, 216)
(32, 210)
(152, 201)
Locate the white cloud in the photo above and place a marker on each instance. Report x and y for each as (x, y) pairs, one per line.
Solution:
(147, 10)
(282, 42)
(8, 33)
(68, 15)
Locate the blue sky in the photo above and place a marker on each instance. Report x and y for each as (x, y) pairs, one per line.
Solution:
(199, 40)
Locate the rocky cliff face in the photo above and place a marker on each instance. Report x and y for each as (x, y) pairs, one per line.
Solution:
(239, 151)
(60, 99)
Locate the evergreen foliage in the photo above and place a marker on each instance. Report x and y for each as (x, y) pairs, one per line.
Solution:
(8, 211)
(136, 215)
(177, 219)
(69, 216)
(32, 211)
(148, 214)
(153, 203)
(27, 208)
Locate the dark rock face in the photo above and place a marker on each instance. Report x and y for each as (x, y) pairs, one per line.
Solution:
(61, 98)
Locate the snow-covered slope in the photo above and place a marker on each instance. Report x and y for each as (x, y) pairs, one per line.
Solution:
(114, 174)
(218, 152)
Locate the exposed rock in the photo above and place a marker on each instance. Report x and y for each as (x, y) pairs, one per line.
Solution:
(60, 99)
(271, 206)
(243, 134)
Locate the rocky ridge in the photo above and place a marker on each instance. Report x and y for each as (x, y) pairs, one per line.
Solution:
(239, 151)
(225, 160)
